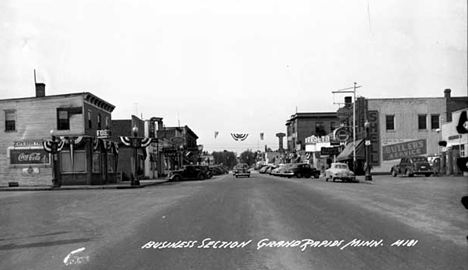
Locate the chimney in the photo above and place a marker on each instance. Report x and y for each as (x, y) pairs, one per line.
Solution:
(347, 101)
(40, 90)
(447, 93)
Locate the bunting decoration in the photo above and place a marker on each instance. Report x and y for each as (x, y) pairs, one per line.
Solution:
(239, 136)
(216, 134)
(53, 146)
(261, 136)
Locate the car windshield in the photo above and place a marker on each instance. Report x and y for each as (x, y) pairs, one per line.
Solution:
(419, 159)
(341, 166)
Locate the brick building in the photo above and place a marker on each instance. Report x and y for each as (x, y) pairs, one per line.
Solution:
(399, 124)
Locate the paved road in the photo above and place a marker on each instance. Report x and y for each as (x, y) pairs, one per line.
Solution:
(261, 222)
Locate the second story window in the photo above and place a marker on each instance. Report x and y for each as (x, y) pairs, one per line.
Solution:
(390, 122)
(10, 120)
(99, 121)
(422, 123)
(435, 121)
(63, 119)
(90, 121)
(107, 122)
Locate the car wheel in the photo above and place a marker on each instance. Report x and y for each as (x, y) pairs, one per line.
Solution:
(299, 175)
(333, 178)
(427, 174)
(326, 178)
(408, 173)
(201, 177)
(394, 173)
(176, 178)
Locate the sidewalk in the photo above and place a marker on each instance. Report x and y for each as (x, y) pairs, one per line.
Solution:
(122, 185)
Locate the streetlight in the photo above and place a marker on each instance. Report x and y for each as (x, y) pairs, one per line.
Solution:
(135, 146)
(200, 149)
(368, 166)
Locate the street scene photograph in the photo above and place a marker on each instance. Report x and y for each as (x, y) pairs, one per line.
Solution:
(263, 135)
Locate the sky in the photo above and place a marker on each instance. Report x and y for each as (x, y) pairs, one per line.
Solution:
(242, 66)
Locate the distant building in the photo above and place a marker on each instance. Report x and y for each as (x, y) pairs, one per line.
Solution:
(179, 147)
(81, 120)
(126, 158)
(303, 125)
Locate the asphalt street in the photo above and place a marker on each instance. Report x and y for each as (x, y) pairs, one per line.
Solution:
(262, 222)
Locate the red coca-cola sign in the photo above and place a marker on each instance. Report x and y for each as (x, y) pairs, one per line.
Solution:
(28, 156)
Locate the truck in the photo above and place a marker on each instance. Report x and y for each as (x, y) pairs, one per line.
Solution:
(410, 166)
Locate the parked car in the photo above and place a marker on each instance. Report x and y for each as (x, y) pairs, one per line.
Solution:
(300, 170)
(340, 171)
(189, 172)
(278, 171)
(270, 169)
(206, 169)
(411, 166)
(241, 170)
(217, 170)
(264, 168)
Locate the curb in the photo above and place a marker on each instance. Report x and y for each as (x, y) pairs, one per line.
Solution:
(142, 185)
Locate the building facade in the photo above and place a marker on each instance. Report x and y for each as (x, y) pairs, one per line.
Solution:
(402, 127)
(77, 120)
(303, 125)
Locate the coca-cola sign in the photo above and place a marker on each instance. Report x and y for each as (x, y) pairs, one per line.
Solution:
(28, 156)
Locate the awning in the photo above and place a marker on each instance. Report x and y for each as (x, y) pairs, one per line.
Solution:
(347, 153)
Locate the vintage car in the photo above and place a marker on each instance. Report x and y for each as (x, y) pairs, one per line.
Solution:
(410, 166)
(339, 171)
(280, 169)
(189, 172)
(300, 170)
(241, 170)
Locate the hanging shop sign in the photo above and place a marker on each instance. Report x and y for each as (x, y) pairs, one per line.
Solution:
(341, 134)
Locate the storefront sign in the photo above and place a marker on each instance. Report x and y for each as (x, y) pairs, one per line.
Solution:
(27, 143)
(374, 136)
(103, 133)
(454, 137)
(329, 151)
(315, 139)
(406, 149)
(28, 156)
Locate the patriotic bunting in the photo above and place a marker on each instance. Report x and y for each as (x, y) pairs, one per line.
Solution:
(238, 136)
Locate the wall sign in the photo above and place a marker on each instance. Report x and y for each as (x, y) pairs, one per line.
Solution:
(28, 156)
(405, 149)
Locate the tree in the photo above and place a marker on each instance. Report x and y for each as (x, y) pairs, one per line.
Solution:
(226, 158)
(247, 157)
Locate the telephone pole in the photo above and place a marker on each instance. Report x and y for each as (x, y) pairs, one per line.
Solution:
(351, 90)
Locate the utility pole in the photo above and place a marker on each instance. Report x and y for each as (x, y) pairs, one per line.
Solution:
(348, 90)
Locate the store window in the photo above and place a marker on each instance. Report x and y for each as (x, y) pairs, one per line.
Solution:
(98, 121)
(390, 122)
(10, 120)
(422, 122)
(435, 121)
(77, 165)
